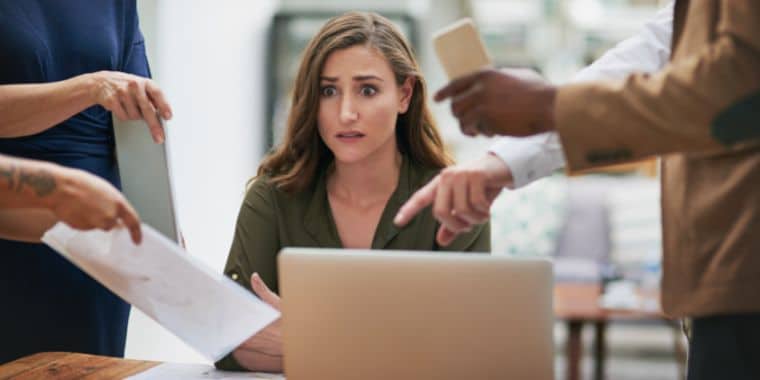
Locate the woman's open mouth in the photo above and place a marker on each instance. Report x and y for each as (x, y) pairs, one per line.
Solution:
(349, 136)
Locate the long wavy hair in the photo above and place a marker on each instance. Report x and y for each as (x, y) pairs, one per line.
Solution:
(295, 163)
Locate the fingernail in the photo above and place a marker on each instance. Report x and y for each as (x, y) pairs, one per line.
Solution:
(167, 115)
(398, 218)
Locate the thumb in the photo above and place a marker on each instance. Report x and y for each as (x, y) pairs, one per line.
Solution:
(261, 290)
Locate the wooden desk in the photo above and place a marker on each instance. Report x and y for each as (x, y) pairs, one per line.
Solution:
(64, 365)
(577, 304)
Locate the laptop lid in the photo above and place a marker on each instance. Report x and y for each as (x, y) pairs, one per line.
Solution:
(146, 176)
(350, 314)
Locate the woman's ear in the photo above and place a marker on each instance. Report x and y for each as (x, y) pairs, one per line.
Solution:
(406, 90)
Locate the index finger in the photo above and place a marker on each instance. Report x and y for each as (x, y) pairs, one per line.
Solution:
(129, 217)
(421, 199)
(456, 86)
(149, 114)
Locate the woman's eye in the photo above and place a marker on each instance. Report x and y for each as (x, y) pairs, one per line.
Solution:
(368, 91)
(328, 91)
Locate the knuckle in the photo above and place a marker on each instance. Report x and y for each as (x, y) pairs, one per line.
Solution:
(135, 83)
(111, 102)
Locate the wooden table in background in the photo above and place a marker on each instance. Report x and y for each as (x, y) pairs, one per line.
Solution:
(64, 365)
(578, 304)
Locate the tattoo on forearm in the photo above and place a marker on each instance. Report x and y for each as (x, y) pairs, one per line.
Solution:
(41, 181)
(17, 179)
(8, 173)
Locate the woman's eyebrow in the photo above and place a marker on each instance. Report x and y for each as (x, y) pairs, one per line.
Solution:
(367, 77)
(356, 78)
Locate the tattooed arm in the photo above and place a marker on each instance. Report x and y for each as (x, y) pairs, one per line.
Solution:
(35, 194)
(25, 224)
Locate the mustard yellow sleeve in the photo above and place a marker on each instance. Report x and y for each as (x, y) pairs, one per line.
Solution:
(602, 123)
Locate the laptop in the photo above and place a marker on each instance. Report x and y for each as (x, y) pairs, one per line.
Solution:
(353, 314)
(146, 176)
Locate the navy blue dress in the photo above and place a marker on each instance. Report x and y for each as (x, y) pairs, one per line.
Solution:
(46, 303)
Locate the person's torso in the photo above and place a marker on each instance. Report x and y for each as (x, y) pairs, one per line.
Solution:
(45, 41)
(711, 204)
(316, 227)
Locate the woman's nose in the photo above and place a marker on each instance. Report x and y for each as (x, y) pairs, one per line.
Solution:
(348, 112)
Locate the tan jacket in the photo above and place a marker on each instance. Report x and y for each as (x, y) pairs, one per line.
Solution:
(700, 113)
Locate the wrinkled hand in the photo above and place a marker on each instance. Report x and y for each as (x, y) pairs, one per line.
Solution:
(263, 351)
(461, 196)
(513, 102)
(131, 97)
(84, 201)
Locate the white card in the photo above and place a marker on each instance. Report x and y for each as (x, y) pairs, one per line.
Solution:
(205, 309)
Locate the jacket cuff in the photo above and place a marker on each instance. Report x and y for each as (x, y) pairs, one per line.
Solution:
(577, 122)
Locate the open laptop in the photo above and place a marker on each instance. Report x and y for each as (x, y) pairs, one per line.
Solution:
(146, 176)
(350, 314)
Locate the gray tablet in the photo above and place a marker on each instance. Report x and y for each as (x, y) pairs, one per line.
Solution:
(146, 176)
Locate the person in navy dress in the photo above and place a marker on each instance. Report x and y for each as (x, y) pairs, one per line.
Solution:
(65, 68)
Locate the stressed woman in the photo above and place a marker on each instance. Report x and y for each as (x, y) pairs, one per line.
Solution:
(360, 141)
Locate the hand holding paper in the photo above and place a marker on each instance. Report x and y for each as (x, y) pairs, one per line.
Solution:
(204, 308)
(263, 351)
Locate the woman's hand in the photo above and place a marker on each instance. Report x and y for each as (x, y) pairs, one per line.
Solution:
(131, 97)
(263, 351)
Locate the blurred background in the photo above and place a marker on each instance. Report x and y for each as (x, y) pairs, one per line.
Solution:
(227, 67)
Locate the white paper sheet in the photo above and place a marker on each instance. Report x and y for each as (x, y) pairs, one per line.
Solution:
(205, 309)
(175, 371)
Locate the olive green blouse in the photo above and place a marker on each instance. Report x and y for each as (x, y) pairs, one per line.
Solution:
(270, 220)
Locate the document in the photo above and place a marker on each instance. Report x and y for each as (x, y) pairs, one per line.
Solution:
(204, 308)
(176, 371)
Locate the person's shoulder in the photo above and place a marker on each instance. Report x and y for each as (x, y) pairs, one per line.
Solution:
(260, 189)
(263, 188)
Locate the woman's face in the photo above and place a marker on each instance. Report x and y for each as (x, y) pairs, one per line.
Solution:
(359, 103)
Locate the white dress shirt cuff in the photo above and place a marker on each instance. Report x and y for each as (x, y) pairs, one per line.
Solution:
(530, 158)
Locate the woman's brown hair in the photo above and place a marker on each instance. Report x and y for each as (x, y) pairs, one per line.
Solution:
(296, 162)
